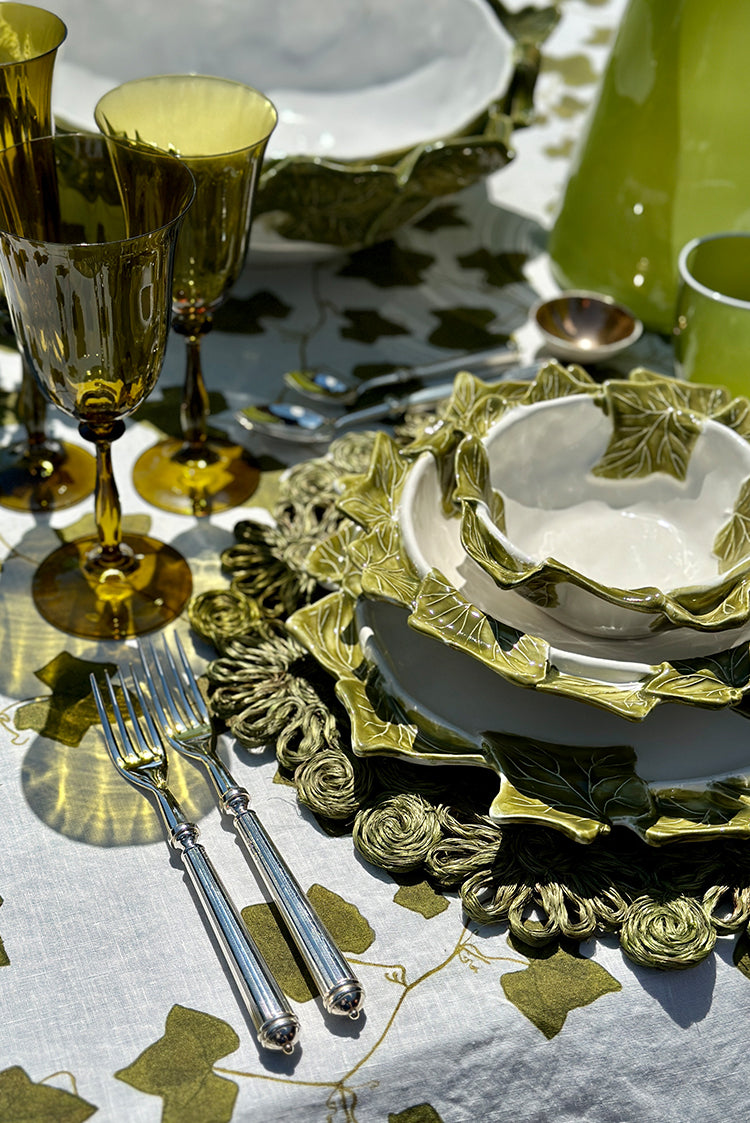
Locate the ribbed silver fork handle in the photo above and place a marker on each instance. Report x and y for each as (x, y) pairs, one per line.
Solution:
(277, 1027)
(340, 990)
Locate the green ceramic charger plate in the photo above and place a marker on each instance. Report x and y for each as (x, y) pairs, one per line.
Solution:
(582, 789)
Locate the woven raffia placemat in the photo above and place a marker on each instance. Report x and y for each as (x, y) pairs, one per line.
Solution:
(667, 905)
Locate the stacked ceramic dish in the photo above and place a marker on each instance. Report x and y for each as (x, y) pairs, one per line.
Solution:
(385, 106)
(552, 581)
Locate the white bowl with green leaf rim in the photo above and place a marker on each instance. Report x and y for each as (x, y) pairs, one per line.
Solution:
(385, 106)
(427, 571)
(621, 510)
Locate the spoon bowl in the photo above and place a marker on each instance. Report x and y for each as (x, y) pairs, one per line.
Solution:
(585, 327)
(347, 390)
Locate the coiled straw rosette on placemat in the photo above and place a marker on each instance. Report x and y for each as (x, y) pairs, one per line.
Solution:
(326, 609)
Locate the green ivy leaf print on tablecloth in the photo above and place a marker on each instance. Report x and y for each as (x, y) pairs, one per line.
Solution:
(344, 921)
(366, 325)
(421, 898)
(499, 269)
(467, 329)
(388, 265)
(556, 981)
(70, 711)
(179, 1068)
(23, 1101)
(244, 315)
(4, 960)
(420, 1113)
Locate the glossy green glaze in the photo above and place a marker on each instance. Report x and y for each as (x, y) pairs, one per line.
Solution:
(662, 159)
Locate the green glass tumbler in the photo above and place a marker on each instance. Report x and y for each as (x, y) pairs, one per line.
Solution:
(712, 321)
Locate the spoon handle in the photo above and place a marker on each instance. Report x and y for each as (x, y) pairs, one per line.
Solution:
(414, 377)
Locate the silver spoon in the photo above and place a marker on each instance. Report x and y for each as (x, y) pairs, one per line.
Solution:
(298, 423)
(348, 391)
(294, 422)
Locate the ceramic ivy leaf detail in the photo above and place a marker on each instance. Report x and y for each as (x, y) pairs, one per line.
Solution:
(69, 711)
(595, 784)
(732, 543)
(330, 561)
(386, 571)
(327, 628)
(21, 1099)
(473, 480)
(556, 381)
(440, 611)
(700, 686)
(651, 433)
(691, 814)
(179, 1068)
(370, 732)
(555, 982)
(371, 499)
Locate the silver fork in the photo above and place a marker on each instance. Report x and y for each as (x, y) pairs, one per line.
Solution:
(184, 717)
(137, 751)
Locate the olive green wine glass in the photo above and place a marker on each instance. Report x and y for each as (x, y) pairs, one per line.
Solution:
(36, 473)
(220, 129)
(87, 244)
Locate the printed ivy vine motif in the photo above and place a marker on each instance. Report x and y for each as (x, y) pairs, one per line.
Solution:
(732, 543)
(348, 927)
(4, 960)
(69, 711)
(651, 433)
(22, 1099)
(556, 981)
(179, 1068)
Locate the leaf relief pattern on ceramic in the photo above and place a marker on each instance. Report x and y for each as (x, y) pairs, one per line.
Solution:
(732, 543)
(656, 423)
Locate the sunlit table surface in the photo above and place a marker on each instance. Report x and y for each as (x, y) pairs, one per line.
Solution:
(114, 1003)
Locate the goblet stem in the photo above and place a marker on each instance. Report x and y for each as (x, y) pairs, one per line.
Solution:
(110, 554)
(194, 406)
(44, 455)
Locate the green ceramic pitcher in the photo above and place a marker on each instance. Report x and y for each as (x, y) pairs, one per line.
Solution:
(665, 155)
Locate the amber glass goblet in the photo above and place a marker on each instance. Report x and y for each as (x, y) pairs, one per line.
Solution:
(86, 255)
(220, 129)
(36, 473)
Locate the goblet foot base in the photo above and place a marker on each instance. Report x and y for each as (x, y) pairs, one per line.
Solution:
(167, 477)
(109, 604)
(35, 483)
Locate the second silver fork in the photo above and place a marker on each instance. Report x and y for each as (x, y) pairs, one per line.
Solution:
(186, 722)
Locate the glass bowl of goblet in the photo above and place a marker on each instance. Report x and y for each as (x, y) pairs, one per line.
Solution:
(220, 129)
(37, 472)
(87, 239)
